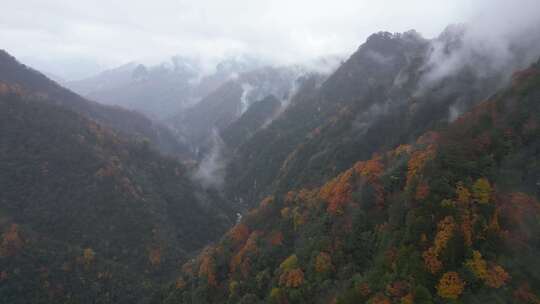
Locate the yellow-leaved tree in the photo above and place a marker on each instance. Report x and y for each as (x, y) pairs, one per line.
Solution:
(494, 276)
(482, 191)
(323, 263)
(292, 276)
(450, 286)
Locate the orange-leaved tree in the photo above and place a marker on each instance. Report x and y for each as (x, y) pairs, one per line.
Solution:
(207, 267)
(12, 241)
(323, 263)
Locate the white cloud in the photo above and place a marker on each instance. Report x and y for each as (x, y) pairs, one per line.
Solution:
(502, 36)
(111, 32)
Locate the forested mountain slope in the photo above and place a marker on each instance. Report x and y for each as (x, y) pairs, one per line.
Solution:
(86, 215)
(127, 122)
(257, 116)
(223, 106)
(389, 92)
(450, 218)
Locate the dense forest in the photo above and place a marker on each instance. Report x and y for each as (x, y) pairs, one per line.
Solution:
(88, 214)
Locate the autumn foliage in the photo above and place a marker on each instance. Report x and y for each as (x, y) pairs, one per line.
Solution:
(154, 256)
(207, 267)
(12, 242)
(422, 191)
(337, 192)
(477, 265)
(467, 227)
(494, 276)
(524, 294)
(463, 194)
(418, 160)
(289, 263)
(482, 191)
(276, 238)
(239, 233)
(450, 286)
(397, 289)
(292, 278)
(431, 260)
(380, 299)
(88, 257)
(371, 170)
(241, 259)
(445, 230)
(364, 289)
(323, 263)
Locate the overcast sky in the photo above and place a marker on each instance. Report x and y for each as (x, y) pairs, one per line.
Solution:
(73, 38)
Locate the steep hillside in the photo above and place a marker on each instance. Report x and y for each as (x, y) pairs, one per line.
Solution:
(452, 218)
(105, 80)
(389, 92)
(87, 216)
(127, 122)
(258, 115)
(215, 112)
(232, 99)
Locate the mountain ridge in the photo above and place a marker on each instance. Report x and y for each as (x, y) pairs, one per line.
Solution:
(371, 103)
(128, 122)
